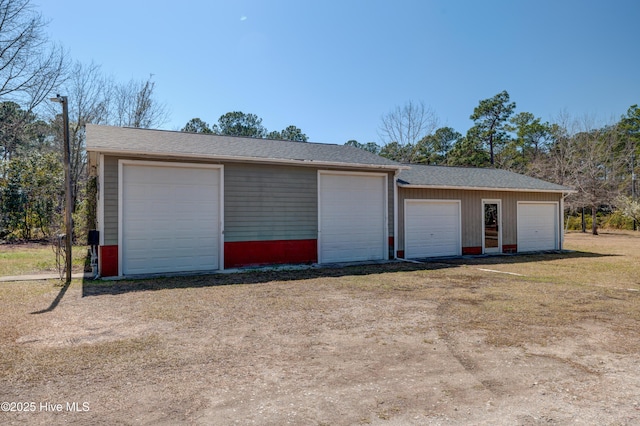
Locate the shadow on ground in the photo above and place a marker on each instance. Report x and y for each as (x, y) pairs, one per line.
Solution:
(56, 301)
(259, 276)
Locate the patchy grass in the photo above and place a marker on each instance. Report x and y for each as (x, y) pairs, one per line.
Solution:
(75, 359)
(551, 294)
(398, 342)
(20, 259)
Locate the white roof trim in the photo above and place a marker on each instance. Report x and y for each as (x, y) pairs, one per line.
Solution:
(482, 188)
(247, 159)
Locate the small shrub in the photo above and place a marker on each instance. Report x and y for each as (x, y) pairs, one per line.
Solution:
(574, 223)
(617, 220)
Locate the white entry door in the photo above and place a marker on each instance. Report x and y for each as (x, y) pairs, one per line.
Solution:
(491, 226)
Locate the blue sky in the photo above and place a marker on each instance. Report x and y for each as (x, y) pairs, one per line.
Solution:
(333, 68)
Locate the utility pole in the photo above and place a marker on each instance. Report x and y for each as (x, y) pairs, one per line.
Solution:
(633, 182)
(68, 220)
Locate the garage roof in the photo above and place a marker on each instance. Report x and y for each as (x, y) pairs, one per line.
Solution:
(134, 141)
(441, 177)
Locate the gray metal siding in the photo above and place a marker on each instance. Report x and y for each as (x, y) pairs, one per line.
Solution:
(110, 201)
(471, 210)
(264, 203)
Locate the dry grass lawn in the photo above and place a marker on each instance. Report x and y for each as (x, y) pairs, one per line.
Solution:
(539, 339)
(35, 258)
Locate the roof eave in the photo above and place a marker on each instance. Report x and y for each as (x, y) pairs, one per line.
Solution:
(261, 160)
(486, 188)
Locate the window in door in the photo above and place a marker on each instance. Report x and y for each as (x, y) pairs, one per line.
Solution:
(491, 226)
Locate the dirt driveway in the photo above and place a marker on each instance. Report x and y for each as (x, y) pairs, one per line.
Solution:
(517, 340)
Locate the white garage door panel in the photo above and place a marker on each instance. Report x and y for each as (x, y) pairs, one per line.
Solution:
(171, 219)
(432, 228)
(352, 215)
(537, 226)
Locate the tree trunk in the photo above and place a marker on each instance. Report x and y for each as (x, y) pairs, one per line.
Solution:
(594, 225)
(491, 148)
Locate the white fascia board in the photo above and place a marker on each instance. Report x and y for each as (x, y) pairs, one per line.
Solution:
(310, 163)
(483, 188)
(395, 214)
(100, 204)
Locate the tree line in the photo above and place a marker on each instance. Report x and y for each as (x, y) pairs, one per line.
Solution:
(237, 123)
(598, 161)
(32, 69)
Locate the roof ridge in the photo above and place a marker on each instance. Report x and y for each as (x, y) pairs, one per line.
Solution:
(161, 143)
(211, 134)
(475, 177)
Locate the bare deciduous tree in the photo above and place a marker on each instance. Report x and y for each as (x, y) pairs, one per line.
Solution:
(406, 126)
(96, 99)
(135, 106)
(30, 67)
(89, 94)
(588, 158)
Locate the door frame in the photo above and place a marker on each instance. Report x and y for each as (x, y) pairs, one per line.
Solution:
(409, 201)
(126, 162)
(558, 215)
(498, 202)
(321, 172)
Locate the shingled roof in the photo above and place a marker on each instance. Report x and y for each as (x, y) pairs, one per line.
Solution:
(473, 178)
(134, 141)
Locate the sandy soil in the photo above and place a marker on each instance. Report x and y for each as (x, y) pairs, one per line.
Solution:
(351, 348)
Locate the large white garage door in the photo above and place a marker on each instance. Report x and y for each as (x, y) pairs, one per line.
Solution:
(537, 226)
(432, 228)
(352, 218)
(170, 218)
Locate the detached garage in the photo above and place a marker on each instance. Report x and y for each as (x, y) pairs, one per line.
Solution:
(449, 211)
(175, 202)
